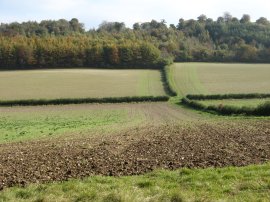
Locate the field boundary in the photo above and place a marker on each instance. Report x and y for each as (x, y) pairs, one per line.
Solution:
(62, 101)
(166, 82)
(169, 92)
(192, 101)
(228, 96)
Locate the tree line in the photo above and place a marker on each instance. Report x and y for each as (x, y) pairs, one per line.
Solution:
(76, 51)
(65, 43)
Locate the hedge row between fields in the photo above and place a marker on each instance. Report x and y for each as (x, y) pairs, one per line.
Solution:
(83, 100)
(166, 84)
(32, 102)
(228, 96)
(260, 110)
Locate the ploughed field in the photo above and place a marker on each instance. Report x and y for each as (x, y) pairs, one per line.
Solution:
(44, 144)
(61, 142)
(218, 78)
(79, 83)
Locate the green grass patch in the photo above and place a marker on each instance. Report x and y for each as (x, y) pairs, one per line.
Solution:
(185, 80)
(33, 125)
(30, 123)
(251, 183)
(235, 102)
(149, 82)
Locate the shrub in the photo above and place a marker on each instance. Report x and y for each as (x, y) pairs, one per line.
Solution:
(228, 96)
(166, 84)
(193, 104)
(261, 110)
(84, 100)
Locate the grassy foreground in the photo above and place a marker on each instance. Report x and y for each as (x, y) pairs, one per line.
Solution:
(250, 183)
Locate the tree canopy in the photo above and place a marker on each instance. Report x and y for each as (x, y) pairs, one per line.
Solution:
(148, 44)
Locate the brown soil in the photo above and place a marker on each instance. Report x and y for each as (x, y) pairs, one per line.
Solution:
(136, 151)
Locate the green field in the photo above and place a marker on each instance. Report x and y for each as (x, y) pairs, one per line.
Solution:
(39, 122)
(211, 78)
(236, 102)
(27, 124)
(79, 83)
(250, 183)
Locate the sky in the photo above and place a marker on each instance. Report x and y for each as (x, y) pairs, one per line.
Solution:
(94, 12)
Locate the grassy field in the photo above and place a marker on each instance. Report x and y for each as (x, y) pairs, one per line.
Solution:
(82, 83)
(235, 102)
(37, 122)
(251, 183)
(25, 125)
(211, 78)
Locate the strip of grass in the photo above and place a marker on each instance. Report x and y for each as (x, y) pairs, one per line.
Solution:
(186, 80)
(235, 102)
(251, 183)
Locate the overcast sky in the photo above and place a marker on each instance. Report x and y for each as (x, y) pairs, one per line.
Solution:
(93, 12)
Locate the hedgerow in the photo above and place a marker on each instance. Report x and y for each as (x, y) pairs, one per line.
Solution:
(228, 96)
(83, 100)
(166, 84)
(260, 110)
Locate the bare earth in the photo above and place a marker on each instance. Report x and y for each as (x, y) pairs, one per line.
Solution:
(138, 149)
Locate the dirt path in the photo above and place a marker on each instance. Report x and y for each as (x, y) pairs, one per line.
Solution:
(135, 151)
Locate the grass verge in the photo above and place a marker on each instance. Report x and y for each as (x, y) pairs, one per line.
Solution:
(251, 183)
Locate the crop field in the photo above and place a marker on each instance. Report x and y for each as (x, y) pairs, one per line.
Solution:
(39, 122)
(82, 83)
(211, 78)
(138, 148)
(148, 151)
(236, 102)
